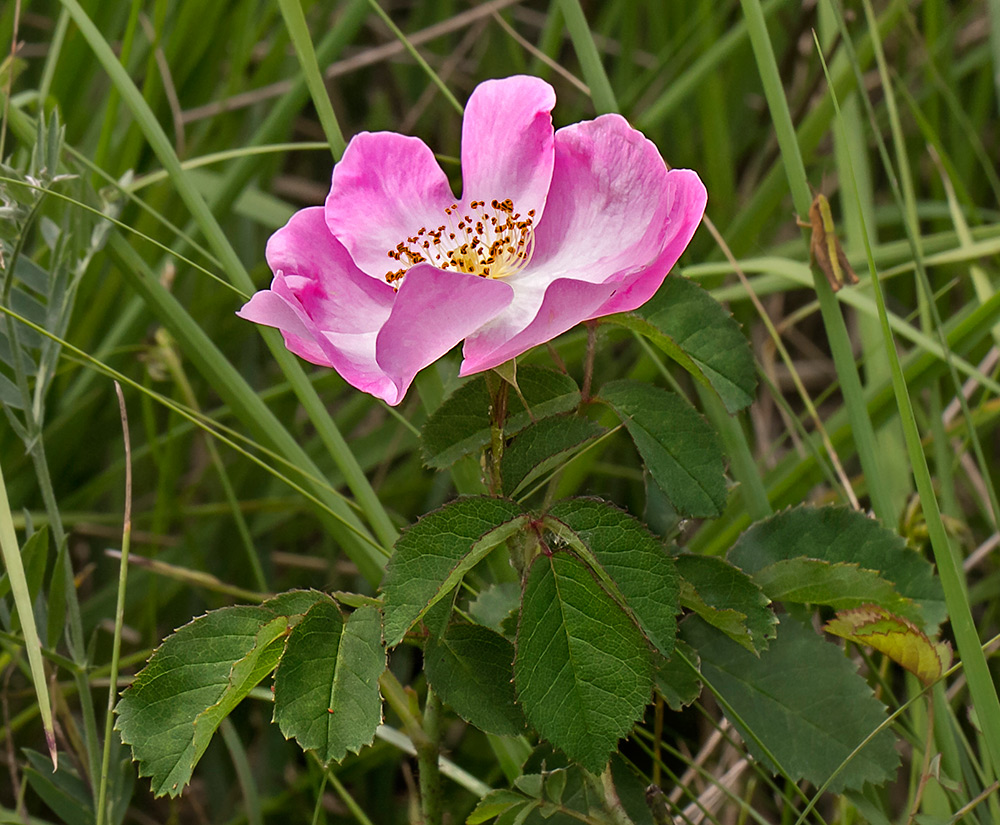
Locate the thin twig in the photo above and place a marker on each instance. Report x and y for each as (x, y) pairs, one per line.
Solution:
(367, 58)
(168, 85)
(530, 47)
(119, 613)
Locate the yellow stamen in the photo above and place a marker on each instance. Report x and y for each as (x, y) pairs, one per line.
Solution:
(490, 243)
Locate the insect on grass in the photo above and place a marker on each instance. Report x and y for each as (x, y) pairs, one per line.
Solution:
(824, 245)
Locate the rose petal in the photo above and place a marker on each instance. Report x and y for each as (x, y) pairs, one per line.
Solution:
(271, 310)
(608, 203)
(328, 311)
(384, 189)
(616, 217)
(688, 198)
(507, 143)
(323, 275)
(434, 310)
(566, 302)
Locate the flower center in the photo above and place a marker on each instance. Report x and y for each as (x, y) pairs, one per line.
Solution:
(489, 242)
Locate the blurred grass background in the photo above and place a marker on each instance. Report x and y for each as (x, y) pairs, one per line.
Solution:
(206, 140)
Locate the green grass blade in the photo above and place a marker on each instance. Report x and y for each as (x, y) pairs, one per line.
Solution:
(22, 600)
(984, 694)
(590, 60)
(298, 31)
(833, 320)
(434, 77)
(237, 274)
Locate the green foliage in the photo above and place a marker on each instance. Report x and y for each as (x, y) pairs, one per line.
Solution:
(635, 561)
(432, 556)
(800, 706)
(470, 668)
(543, 446)
(64, 792)
(839, 535)
(678, 679)
(583, 671)
(688, 325)
(188, 676)
(461, 425)
(326, 691)
(193, 680)
(728, 599)
(141, 112)
(679, 449)
(840, 585)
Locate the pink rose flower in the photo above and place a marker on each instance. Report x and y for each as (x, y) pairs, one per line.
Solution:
(552, 229)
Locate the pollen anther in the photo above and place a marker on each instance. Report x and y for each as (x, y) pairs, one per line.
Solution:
(491, 242)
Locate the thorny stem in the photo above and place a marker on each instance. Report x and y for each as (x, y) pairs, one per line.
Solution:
(429, 772)
(499, 390)
(588, 364)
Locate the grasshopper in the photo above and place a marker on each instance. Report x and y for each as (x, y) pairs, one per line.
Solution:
(824, 245)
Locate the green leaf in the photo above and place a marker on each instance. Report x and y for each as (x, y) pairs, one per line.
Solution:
(470, 668)
(694, 329)
(583, 671)
(727, 598)
(64, 791)
(680, 450)
(294, 602)
(803, 700)
(838, 534)
(634, 559)
(840, 585)
(543, 446)
(245, 675)
(35, 557)
(631, 790)
(494, 804)
(677, 683)
(431, 557)
(461, 425)
(326, 691)
(175, 703)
